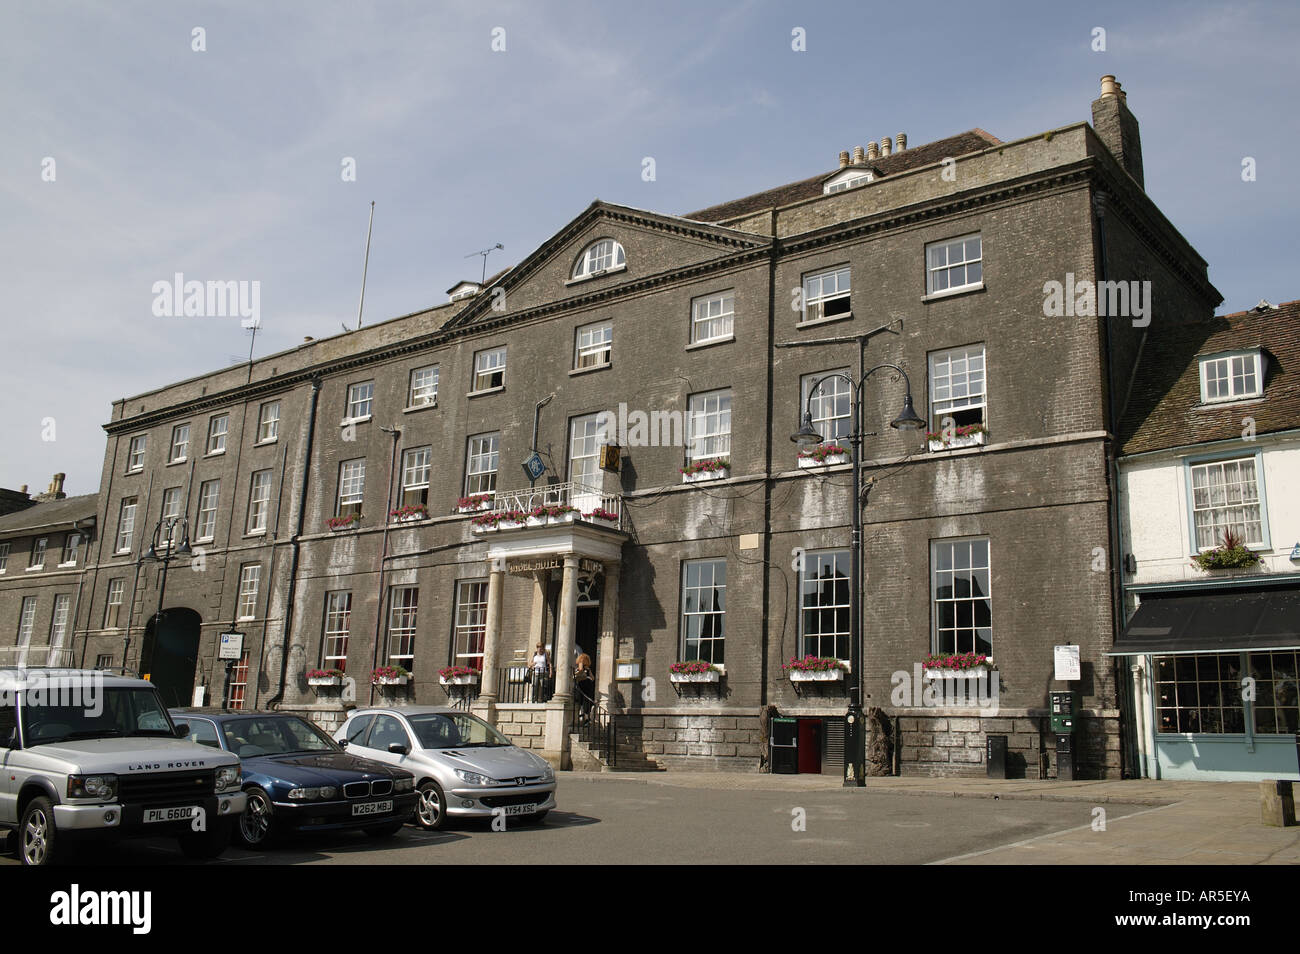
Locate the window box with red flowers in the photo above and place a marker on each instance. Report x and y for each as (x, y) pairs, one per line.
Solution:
(957, 666)
(823, 455)
(409, 514)
(487, 522)
(474, 503)
(968, 435)
(343, 523)
(457, 676)
(390, 676)
(602, 515)
(536, 517)
(324, 677)
(695, 671)
(715, 468)
(816, 669)
(561, 513)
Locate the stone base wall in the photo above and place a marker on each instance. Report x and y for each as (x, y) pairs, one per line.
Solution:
(691, 742)
(328, 717)
(953, 743)
(524, 725)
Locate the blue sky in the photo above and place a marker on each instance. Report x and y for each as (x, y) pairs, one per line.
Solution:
(225, 164)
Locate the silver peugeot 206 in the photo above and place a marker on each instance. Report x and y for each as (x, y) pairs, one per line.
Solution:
(464, 768)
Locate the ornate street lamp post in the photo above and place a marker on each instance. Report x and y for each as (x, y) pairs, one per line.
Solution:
(164, 536)
(854, 731)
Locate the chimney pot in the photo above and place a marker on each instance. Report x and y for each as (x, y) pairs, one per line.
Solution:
(844, 158)
(884, 147)
(1108, 85)
(23, 490)
(873, 151)
(859, 156)
(900, 142)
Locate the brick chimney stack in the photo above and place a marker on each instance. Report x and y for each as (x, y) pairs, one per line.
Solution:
(55, 492)
(1117, 127)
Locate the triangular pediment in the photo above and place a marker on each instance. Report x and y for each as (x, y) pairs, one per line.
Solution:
(653, 246)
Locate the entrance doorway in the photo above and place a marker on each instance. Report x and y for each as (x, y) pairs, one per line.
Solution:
(586, 639)
(170, 652)
(810, 746)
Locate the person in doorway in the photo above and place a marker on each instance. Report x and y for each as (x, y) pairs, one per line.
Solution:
(584, 681)
(541, 667)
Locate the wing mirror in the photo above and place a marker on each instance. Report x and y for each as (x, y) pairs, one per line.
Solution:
(182, 729)
(397, 748)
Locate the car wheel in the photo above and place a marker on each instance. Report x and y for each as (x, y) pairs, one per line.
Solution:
(431, 809)
(385, 831)
(36, 834)
(207, 844)
(254, 829)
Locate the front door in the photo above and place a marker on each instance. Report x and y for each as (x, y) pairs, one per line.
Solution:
(586, 639)
(810, 746)
(171, 651)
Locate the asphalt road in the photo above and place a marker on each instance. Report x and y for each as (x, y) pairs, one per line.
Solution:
(639, 820)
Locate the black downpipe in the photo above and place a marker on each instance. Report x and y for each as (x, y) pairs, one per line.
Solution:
(295, 545)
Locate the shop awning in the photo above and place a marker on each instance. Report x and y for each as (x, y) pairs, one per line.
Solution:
(1248, 619)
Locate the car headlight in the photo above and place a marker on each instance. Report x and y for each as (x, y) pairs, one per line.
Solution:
(312, 794)
(548, 773)
(474, 778)
(228, 777)
(102, 787)
(404, 785)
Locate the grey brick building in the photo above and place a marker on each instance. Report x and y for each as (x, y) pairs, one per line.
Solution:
(666, 336)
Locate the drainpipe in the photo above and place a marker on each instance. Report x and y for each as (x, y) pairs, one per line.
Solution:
(76, 606)
(135, 581)
(537, 419)
(295, 543)
(383, 557)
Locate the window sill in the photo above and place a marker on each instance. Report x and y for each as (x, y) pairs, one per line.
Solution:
(347, 421)
(419, 407)
(1228, 402)
(814, 322)
(204, 539)
(135, 470)
(594, 275)
(33, 569)
(474, 394)
(273, 440)
(594, 367)
(219, 453)
(709, 343)
(173, 463)
(66, 566)
(254, 533)
(952, 292)
(126, 552)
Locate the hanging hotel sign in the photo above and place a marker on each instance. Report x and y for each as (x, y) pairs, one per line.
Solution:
(1067, 662)
(533, 466)
(232, 646)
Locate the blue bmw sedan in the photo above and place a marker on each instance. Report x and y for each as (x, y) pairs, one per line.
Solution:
(297, 778)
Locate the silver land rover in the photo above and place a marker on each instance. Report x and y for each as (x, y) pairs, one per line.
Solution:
(89, 754)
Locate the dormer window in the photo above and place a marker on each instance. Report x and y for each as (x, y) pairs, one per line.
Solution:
(849, 179)
(1232, 377)
(601, 256)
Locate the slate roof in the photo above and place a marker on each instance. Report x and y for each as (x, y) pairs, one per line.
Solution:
(50, 513)
(963, 143)
(1165, 408)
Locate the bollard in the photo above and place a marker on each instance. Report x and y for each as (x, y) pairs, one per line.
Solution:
(1276, 803)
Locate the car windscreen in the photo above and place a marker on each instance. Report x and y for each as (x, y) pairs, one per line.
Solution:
(438, 730)
(87, 710)
(274, 735)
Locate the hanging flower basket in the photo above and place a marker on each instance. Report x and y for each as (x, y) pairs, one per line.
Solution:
(457, 676)
(409, 514)
(715, 468)
(959, 666)
(815, 669)
(1232, 554)
(325, 677)
(343, 523)
(969, 435)
(474, 503)
(694, 671)
(823, 455)
(390, 676)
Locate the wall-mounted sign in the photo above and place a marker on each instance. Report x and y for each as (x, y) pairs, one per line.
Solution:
(1295, 552)
(533, 466)
(1067, 662)
(528, 566)
(232, 646)
(609, 457)
(628, 670)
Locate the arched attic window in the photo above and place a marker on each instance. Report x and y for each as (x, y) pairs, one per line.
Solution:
(599, 256)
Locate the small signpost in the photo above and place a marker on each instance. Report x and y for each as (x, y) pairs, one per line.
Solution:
(232, 646)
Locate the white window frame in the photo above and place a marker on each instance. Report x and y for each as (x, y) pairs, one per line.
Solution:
(337, 630)
(601, 256)
(482, 461)
(4, 556)
(171, 504)
(250, 577)
(58, 625)
(471, 623)
(716, 650)
(361, 401)
(113, 603)
(26, 626)
(352, 487)
(834, 396)
(259, 504)
(593, 345)
(126, 524)
(488, 365)
(205, 525)
(403, 622)
(181, 441)
(217, 438)
(709, 425)
(424, 393)
(71, 550)
(1245, 504)
(1236, 367)
(936, 631)
(268, 423)
(417, 465)
(40, 546)
(824, 286)
(812, 564)
(713, 317)
(957, 386)
(136, 448)
(950, 266)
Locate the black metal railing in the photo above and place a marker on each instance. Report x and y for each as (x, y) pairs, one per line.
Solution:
(595, 727)
(518, 684)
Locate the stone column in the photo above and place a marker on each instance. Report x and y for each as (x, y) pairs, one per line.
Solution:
(608, 637)
(537, 625)
(485, 706)
(555, 747)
